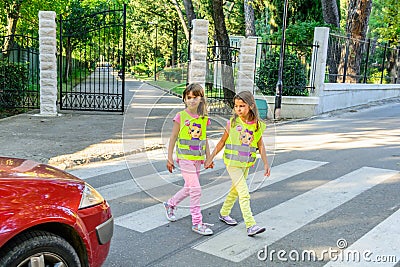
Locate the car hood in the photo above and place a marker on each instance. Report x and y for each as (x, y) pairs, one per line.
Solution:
(34, 193)
(25, 169)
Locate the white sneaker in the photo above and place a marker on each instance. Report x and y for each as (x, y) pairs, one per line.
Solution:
(202, 229)
(169, 212)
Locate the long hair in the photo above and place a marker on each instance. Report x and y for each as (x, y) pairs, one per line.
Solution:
(248, 98)
(197, 90)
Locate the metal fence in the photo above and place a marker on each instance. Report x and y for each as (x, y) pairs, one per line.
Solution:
(361, 61)
(297, 69)
(19, 72)
(220, 78)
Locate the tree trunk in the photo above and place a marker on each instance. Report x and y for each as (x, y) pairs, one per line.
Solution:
(249, 18)
(398, 65)
(393, 63)
(12, 20)
(330, 13)
(222, 38)
(68, 60)
(356, 25)
(190, 15)
(174, 45)
(181, 18)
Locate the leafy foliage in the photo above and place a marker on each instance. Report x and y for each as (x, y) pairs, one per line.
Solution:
(384, 20)
(294, 77)
(298, 11)
(13, 77)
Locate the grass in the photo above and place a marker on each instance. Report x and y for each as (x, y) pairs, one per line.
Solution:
(167, 85)
(144, 77)
(179, 88)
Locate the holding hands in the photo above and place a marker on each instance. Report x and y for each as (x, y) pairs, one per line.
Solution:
(209, 163)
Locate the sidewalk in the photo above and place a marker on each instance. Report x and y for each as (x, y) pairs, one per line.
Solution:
(75, 138)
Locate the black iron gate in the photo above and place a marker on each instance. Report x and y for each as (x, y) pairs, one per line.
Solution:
(92, 61)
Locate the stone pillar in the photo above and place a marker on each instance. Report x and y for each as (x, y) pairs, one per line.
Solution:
(48, 63)
(247, 64)
(321, 36)
(198, 52)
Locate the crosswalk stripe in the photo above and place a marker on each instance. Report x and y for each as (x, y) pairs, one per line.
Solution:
(382, 242)
(132, 161)
(128, 187)
(96, 169)
(234, 245)
(152, 217)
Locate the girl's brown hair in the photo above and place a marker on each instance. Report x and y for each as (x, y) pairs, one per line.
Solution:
(197, 90)
(248, 98)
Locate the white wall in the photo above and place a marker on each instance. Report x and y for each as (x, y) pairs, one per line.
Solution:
(293, 107)
(335, 96)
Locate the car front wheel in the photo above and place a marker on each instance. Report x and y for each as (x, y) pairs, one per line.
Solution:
(39, 249)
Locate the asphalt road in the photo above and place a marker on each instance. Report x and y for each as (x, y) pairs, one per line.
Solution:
(334, 185)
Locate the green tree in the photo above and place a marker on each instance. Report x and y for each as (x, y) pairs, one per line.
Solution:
(21, 16)
(385, 27)
(298, 10)
(385, 20)
(147, 16)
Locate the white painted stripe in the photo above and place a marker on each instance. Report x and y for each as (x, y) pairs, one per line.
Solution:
(98, 168)
(382, 241)
(152, 217)
(128, 187)
(104, 167)
(235, 245)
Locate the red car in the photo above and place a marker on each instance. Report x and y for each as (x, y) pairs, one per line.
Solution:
(50, 218)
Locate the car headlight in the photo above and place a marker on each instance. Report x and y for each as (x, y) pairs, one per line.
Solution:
(90, 197)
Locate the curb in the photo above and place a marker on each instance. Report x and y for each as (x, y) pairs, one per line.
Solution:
(70, 161)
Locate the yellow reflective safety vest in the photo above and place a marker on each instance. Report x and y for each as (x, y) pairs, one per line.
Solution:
(241, 145)
(191, 143)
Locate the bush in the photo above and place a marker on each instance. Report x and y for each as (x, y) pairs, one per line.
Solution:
(13, 83)
(176, 75)
(140, 69)
(294, 77)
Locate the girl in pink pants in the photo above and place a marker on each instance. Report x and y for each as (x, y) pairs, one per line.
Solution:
(189, 136)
